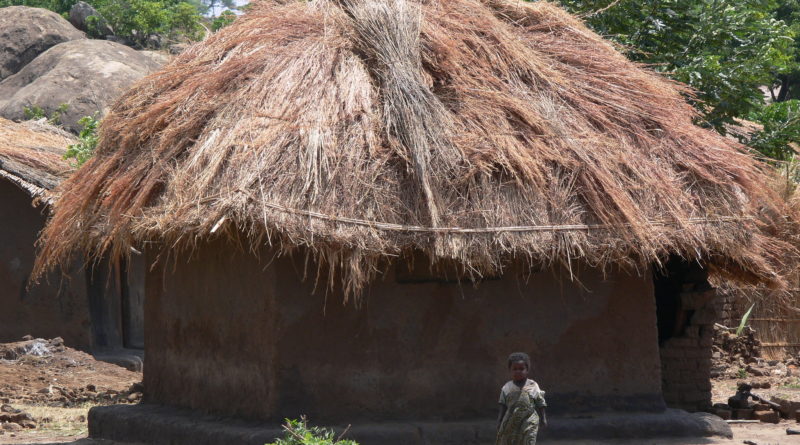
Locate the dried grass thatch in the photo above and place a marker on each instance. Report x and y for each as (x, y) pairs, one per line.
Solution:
(32, 155)
(478, 130)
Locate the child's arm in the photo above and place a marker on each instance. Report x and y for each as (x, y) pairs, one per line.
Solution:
(500, 415)
(542, 416)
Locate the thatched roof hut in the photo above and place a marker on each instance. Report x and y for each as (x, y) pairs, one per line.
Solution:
(32, 155)
(500, 136)
(31, 165)
(475, 130)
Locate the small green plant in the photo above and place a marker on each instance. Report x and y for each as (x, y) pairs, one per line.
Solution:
(224, 19)
(299, 433)
(741, 373)
(36, 112)
(87, 141)
(743, 323)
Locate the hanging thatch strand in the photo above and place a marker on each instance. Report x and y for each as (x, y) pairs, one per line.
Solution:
(469, 114)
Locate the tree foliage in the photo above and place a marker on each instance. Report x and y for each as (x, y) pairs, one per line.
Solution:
(727, 50)
(139, 20)
(88, 137)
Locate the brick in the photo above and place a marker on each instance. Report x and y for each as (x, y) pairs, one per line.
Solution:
(742, 414)
(766, 416)
(725, 414)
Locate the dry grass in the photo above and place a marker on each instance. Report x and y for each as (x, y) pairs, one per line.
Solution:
(369, 128)
(58, 420)
(31, 155)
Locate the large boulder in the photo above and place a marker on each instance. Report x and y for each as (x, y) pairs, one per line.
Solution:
(87, 75)
(160, 57)
(84, 17)
(27, 32)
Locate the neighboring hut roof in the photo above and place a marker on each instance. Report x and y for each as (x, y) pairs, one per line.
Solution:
(478, 130)
(32, 155)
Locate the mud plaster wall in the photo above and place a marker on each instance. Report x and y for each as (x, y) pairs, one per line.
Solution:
(229, 334)
(55, 307)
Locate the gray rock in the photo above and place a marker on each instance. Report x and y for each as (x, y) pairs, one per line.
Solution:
(27, 32)
(178, 48)
(159, 57)
(10, 426)
(154, 41)
(87, 75)
(84, 17)
(121, 40)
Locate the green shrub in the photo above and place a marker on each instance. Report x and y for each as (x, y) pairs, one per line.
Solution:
(224, 19)
(136, 20)
(781, 121)
(299, 433)
(35, 112)
(87, 142)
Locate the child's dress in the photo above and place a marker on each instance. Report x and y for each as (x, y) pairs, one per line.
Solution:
(520, 424)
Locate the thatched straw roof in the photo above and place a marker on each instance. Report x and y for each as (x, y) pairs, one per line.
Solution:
(32, 155)
(475, 130)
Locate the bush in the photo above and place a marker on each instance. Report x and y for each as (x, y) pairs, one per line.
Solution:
(224, 19)
(87, 141)
(781, 121)
(35, 112)
(137, 20)
(299, 433)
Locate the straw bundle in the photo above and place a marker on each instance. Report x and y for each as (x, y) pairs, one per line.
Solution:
(483, 131)
(32, 155)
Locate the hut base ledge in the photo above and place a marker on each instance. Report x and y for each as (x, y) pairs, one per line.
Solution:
(155, 424)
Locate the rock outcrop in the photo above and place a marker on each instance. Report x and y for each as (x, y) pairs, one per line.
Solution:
(87, 75)
(27, 32)
(84, 17)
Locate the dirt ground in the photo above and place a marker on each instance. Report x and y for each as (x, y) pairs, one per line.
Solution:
(53, 386)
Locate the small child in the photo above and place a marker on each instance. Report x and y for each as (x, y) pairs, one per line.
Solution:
(522, 405)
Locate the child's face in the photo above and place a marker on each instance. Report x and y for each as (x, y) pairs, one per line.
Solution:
(519, 371)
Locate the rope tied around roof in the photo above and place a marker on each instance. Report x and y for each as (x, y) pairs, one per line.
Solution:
(527, 228)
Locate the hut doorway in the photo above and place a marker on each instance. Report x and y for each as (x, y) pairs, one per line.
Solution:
(685, 316)
(116, 303)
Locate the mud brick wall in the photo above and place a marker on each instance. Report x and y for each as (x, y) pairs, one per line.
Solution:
(730, 307)
(686, 355)
(235, 333)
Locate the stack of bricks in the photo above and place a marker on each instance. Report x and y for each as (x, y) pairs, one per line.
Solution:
(731, 307)
(686, 358)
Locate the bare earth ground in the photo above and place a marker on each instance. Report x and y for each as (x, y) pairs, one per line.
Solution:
(56, 385)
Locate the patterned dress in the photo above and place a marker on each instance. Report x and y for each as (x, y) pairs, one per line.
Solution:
(520, 424)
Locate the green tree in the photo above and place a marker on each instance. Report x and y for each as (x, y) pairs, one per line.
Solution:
(138, 20)
(725, 49)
